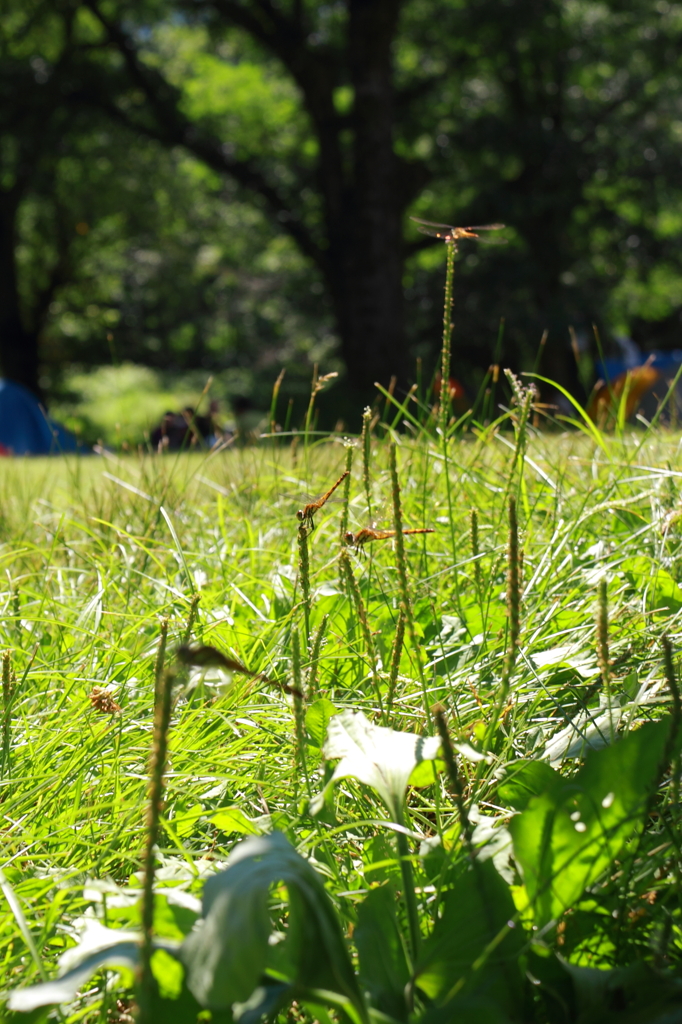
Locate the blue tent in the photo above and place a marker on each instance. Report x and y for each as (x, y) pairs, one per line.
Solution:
(25, 428)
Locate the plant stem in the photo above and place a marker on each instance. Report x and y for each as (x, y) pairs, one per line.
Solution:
(402, 576)
(343, 529)
(309, 412)
(395, 661)
(513, 588)
(7, 694)
(455, 781)
(447, 339)
(671, 754)
(473, 529)
(304, 576)
(273, 403)
(192, 617)
(299, 717)
(408, 887)
(162, 712)
(366, 445)
(315, 657)
(514, 619)
(161, 651)
(361, 611)
(603, 645)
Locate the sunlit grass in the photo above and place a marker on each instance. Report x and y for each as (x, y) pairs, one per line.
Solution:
(95, 551)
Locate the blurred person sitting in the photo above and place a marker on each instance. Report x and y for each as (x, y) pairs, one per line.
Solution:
(179, 431)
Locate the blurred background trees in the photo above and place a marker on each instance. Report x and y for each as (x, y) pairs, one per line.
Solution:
(225, 185)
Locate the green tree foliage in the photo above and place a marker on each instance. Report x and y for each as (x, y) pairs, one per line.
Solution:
(336, 121)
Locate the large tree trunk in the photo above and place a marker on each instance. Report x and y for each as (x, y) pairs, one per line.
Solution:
(366, 249)
(372, 325)
(366, 285)
(363, 185)
(18, 346)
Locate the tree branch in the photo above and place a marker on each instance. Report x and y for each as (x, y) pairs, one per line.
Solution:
(173, 128)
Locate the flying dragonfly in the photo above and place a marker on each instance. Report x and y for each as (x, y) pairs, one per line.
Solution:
(449, 233)
(306, 514)
(364, 536)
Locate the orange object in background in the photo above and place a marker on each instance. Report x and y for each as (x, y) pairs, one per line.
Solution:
(605, 398)
(456, 389)
(458, 397)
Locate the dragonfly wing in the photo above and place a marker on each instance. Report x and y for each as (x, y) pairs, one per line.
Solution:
(485, 227)
(433, 232)
(432, 223)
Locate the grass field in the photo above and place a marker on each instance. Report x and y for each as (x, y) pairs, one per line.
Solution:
(96, 552)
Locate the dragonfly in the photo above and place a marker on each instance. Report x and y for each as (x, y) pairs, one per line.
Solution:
(364, 536)
(449, 233)
(306, 514)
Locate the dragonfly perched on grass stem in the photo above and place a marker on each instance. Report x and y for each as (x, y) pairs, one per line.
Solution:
(449, 233)
(306, 514)
(364, 536)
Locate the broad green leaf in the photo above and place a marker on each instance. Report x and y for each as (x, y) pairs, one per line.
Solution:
(317, 719)
(474, 920)
(426, 773)
(635, 994)
(568, 835)
(233, 819)
(381, 758)
(99, 947)
(525, 779)
(380, 861)
(227, 954)
(664, 595)
(65, 988)
(381, 949)
(168, 974)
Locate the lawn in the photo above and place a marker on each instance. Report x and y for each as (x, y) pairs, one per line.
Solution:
(553, 828)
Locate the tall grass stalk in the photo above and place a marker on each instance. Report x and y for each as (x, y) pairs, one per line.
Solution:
(513, 597)
(523, 398)
(444, 398)
(309, 411)
(343, 526)
(191, 617)
(7, 694)
(603, 645)
(160, 660)
(315, 649)
(455, 781)
(366, 446)
(673, 753)
(361, 612)
(272, 418)
(451, 249)
(396, 653)
(304, 577)
(401, 561)
(162, 714)
(513, 588)
(475, 552)
(300, 760)
(318, 384)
